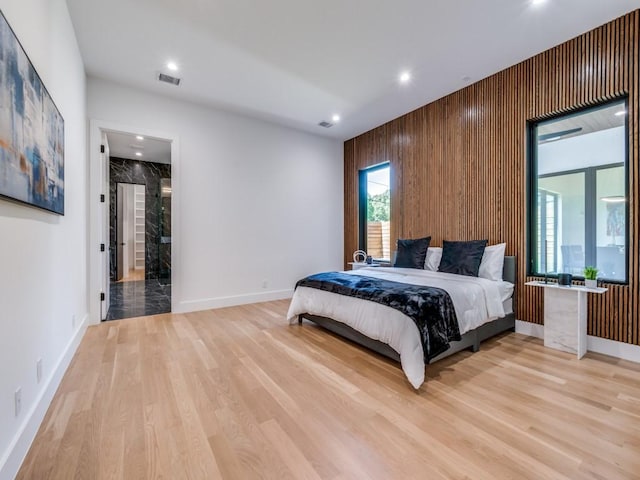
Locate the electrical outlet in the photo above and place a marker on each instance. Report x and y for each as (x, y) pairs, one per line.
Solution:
(18, 401)
(265, 283)
(39, 370)
(73, 320)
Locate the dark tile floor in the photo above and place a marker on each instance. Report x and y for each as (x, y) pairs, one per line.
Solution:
(137, 299)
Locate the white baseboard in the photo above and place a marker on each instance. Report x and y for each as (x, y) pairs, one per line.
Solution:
(625, 351)
(19, 447)
(612, 348)
(231, 301)
(530, 329)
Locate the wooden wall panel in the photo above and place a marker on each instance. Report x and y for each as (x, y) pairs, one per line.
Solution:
(458, 165)
(350, 202)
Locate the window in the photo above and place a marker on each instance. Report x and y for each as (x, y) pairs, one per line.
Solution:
(578, 193)
(375, 212)
(547, 230)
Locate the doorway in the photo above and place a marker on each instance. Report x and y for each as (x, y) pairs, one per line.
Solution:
(130, 232)
(139, 180)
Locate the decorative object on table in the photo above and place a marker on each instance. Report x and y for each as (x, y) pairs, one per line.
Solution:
(31, 131)
(565, 279)
(359, 256)
(369, 259)
(590, 277)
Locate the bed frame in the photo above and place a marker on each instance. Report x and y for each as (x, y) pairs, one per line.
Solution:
(470, 340)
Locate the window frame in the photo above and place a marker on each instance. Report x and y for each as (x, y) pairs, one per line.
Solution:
(363, 202)
(590, 186)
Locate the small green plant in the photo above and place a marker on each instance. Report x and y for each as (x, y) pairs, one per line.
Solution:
(590, 273)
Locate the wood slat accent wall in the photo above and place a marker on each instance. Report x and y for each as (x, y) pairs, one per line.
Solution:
(458, 165)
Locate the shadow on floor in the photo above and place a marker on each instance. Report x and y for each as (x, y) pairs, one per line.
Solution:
(137, 299)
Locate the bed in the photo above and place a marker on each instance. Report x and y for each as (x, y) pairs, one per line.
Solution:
(484, 309)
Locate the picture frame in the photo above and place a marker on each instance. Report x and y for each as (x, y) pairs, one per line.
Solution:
(31, 131)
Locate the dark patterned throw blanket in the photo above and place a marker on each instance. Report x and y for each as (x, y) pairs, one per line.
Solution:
(430, 308)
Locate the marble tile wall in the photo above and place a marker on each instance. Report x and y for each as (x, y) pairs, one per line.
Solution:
(165, 237)
(148, 174)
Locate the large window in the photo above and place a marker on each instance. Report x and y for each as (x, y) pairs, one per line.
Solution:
(375, 211)
(578, 193)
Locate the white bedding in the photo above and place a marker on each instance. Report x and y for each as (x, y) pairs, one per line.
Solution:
(476, 301)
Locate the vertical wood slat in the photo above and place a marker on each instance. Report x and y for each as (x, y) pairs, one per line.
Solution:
(458, 165)
(634, 168)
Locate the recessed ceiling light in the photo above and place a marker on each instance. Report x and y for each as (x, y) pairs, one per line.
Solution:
(404, 77)
(620, 113)
(172, 66)
(139, 137)
(538, 2)
(335, 118)
(138, 154)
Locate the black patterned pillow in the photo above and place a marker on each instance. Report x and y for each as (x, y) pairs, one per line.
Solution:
(462, 258)
(411, 253)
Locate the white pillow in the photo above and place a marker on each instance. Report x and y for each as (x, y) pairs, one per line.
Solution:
(432, 260)
(492, 262)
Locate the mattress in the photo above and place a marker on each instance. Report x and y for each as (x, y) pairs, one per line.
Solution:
(476, 301)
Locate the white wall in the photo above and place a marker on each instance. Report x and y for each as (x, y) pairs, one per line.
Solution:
(43, 256)
(254, 202)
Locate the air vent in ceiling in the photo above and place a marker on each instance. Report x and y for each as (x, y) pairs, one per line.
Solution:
(326, 124)
(169, 79)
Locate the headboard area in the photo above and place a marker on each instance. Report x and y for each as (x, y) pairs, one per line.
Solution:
(509, 269)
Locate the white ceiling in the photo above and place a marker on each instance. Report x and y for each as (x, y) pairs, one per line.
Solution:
(297, 62)
(124, 145)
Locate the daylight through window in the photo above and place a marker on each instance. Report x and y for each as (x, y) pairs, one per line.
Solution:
(375, 211)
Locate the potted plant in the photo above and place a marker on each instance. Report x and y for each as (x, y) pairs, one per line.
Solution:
(590, 275)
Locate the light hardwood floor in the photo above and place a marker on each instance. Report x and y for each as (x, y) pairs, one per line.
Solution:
(237, 393)
(134, 275)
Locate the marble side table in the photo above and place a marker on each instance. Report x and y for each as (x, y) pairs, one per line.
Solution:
(565, 316)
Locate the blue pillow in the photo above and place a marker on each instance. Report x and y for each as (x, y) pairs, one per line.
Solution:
(411, 253)
(462, 258)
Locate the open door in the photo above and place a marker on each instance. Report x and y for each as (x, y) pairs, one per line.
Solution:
(130, 232)
(105, 297)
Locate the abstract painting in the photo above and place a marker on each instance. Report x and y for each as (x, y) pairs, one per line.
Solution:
(31, 131)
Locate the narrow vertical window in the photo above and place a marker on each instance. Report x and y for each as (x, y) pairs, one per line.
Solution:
(375, 212)
(579, 193)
